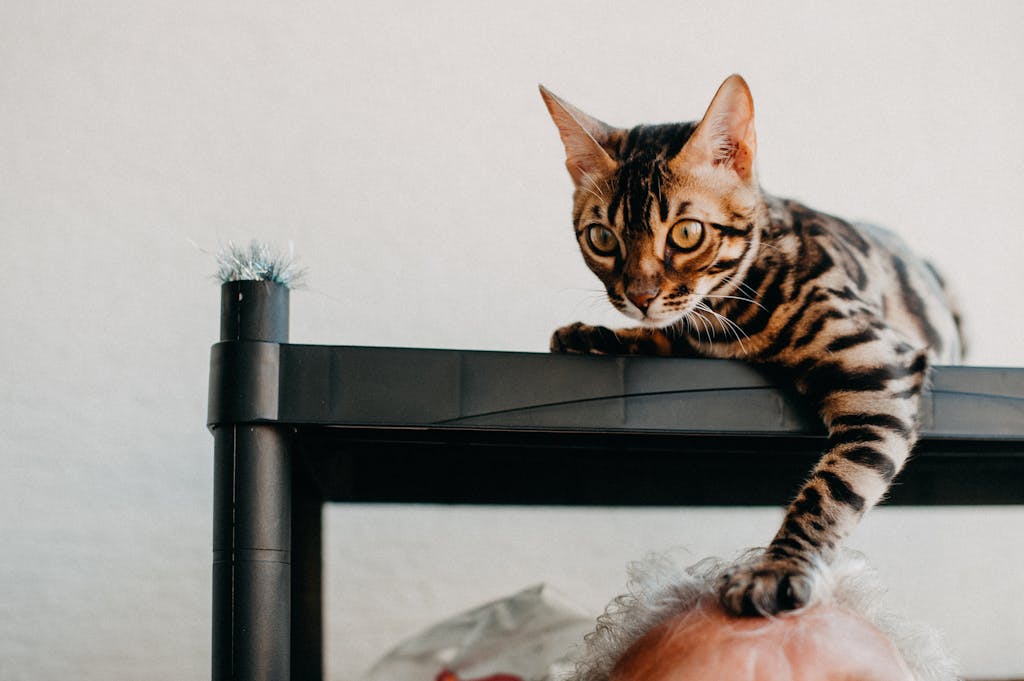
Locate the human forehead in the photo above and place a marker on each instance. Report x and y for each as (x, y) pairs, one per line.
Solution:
(820, 644)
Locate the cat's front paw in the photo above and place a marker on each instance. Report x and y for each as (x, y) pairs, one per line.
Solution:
(766, 587)
(584, 339)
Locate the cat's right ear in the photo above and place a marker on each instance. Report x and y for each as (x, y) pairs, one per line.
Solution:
(582, 136)
(725, 136)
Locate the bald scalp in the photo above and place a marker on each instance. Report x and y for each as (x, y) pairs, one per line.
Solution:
(821, 643)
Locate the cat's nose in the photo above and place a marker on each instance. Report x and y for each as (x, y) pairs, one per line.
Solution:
(642, 298)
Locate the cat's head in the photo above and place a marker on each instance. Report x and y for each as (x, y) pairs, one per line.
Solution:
(665, 215)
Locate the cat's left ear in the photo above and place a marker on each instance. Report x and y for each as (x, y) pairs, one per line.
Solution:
(582, 135)
(725, 136)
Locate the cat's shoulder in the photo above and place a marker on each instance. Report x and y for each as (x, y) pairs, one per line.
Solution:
(790, 215)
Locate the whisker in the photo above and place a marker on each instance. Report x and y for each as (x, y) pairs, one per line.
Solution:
(686, 320)
(590, 191)
(744, 299)
(773, 247)
(728, 325)
(742, 286)
(705, 324)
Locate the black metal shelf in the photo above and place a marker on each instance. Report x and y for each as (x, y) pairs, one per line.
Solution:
(296, 426)
(402, 388)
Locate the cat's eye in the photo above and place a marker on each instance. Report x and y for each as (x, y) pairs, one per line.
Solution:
(602, 240)
(686, 235)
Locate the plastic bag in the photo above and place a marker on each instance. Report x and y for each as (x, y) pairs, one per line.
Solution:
(528, 636)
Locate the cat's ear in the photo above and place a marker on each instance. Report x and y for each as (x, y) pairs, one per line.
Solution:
(582, 136)
(725, 136)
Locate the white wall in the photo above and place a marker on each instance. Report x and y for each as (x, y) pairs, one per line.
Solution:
(404, 150)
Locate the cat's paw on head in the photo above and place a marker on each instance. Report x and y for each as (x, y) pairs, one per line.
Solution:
(767, 587)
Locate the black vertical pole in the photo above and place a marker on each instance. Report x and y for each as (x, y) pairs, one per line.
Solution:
(252, 512)
(307, 577)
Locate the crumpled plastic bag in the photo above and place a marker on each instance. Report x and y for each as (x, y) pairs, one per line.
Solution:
(528, 636)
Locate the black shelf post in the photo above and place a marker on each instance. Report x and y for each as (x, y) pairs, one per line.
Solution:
(252, 507)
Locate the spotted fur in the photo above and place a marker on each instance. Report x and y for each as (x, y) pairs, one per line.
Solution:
(845, 311)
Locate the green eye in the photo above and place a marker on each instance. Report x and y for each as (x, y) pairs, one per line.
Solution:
(686, 235)
(602, 240)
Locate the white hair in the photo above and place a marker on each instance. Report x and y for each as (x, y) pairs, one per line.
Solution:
(660, 590)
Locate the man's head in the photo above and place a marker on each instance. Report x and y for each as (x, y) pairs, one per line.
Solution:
(672, 628)
(822, 643)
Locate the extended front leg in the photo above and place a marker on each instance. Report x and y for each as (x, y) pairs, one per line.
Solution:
(871, 410)
(584, 339)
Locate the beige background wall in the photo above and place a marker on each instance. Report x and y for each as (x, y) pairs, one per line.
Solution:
(404, 150)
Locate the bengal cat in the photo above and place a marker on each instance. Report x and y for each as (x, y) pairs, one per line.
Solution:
(672, 220)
